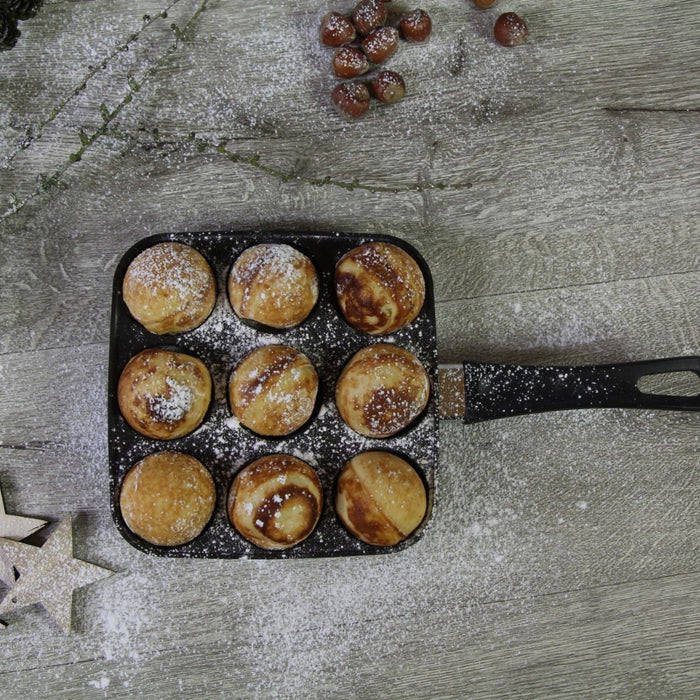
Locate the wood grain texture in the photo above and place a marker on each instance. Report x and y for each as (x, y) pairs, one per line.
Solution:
(553, 189)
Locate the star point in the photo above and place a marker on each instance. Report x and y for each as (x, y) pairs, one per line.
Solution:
(49, 574)
(14, 527)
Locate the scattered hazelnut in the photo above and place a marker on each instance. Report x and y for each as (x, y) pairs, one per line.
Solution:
(349, 62)
(380, 44)
(368, 15)
(337, 30)
(415, 26)
(352, 99)
(510, 30)
(388, 86)
(483, 4)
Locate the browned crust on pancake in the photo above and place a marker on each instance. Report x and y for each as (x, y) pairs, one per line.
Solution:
(276, 501)
(380, 288)
(169, 288)
(273, 390)
(167, 498)
(382, 390)
(164, 394)
(273, 284)
(380, 498)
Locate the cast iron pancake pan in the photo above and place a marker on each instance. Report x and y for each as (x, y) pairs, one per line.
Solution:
(471, 391)
(224, 446)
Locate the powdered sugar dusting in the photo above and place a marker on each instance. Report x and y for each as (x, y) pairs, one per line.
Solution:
(169, 268)
(173, 406)
(271, 281)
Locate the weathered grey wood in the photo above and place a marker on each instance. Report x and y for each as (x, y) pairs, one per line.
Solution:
(554, 190)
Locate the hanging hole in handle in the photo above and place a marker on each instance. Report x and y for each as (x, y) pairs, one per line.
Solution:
(683, 383)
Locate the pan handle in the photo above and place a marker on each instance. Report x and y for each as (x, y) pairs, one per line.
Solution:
(500, 390)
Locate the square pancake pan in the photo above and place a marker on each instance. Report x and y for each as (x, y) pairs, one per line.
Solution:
(221, 443)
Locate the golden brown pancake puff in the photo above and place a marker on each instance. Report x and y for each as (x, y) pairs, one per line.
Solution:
(276, 501)
(273, 284)
(169, 288)
(382, 390)
(380, 498)
(380, 288)
(167, 498)
(164, 394)
(273, 390)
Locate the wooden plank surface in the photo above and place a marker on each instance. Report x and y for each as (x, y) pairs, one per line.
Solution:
(554, 190)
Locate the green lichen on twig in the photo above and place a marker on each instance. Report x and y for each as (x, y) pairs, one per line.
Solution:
(350, 185)
(35, 133)
(47, 181)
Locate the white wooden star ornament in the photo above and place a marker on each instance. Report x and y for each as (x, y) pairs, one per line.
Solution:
(14, 527)
(49, 574)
